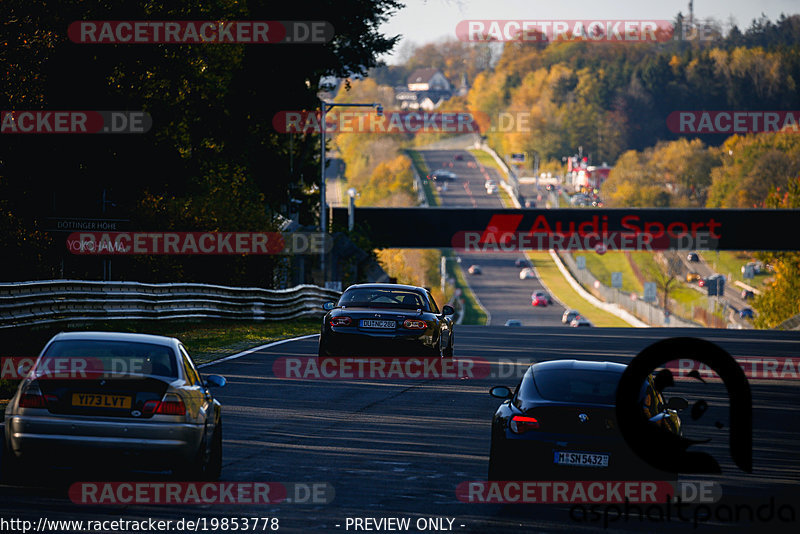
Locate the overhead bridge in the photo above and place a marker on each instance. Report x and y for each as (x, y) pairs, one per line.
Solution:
(491, 230)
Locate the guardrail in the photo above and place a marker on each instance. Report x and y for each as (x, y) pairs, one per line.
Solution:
(645, 311)
(793, 323)
(54, 301)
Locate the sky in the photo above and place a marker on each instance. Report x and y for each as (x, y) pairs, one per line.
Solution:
(425, 21)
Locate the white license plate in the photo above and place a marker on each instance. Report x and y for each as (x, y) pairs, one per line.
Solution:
(585, 459)
(372, 323)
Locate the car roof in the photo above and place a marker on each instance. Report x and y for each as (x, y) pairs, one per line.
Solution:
(386, 286)
(585, 365)
(117, 336)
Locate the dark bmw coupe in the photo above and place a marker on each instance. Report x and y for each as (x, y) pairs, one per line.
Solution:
(560, 424)
(386, 320)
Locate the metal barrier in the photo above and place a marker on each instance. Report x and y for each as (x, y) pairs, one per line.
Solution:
(649, 313)
(53, 301)
(793, 323)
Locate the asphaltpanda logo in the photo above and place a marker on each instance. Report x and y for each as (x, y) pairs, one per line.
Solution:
(666, 450)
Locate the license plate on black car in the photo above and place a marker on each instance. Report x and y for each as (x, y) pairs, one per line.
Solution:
(374, 323)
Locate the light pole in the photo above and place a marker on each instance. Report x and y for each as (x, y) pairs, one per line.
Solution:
(323, 216)
(351, 209)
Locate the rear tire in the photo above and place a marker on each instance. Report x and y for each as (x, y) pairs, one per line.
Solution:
(10, 466)
(214, 469)
(202, 466)
(498, 466)
(448, 352)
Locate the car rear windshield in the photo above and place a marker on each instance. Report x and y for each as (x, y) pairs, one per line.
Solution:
(576, 385)
(383, 298)
(112, 357)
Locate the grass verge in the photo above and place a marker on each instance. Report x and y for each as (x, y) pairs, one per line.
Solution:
(729, 263)
(473, 314)
(602, 265)
(431, 195)
(558, 285)
(486, 159)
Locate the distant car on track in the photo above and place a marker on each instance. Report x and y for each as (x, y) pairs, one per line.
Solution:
(693, 257)
(513, 322)
(522, 262)
(746, 313)
(541, 298)
(569, 315)
(138, 399)
(474, 269)
(392, 319)
(560, 424)
(580, 321)
(747, 294)
(692, 276)
(526, 273)
(442, 175)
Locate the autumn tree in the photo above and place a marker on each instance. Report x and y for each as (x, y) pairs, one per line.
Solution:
(781, 300)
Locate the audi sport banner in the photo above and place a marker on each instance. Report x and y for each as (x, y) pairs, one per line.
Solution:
(512, 230)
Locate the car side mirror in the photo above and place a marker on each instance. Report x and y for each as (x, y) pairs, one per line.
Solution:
(448, 310)
(677, 403)
(215, 381)
(500, 392)
(328, 306)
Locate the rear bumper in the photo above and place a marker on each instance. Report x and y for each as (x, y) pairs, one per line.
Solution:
(535, 459)
(378, 344)
(52, 435)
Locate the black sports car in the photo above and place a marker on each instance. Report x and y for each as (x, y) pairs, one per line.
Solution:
(560, 424)
(386, 319)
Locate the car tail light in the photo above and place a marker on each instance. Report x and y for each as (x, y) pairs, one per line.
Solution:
(150, 406)
(32, 397)
(415, 324)
(32, 400)
(521, 424)
(171, 405)
(341, 321)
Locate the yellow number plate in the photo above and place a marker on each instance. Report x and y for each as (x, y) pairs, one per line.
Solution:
(101, 401)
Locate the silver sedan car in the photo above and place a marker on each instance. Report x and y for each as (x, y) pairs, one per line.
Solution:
(122, 397)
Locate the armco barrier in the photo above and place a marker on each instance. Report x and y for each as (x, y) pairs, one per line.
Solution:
(648, 313)
(793, 323)
(53, 301)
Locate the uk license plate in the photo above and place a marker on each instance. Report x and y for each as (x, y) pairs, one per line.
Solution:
(584, 459)
(92, 400)
(374, 323)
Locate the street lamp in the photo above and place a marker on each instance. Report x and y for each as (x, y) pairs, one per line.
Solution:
(351, 208)
(323, 216)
